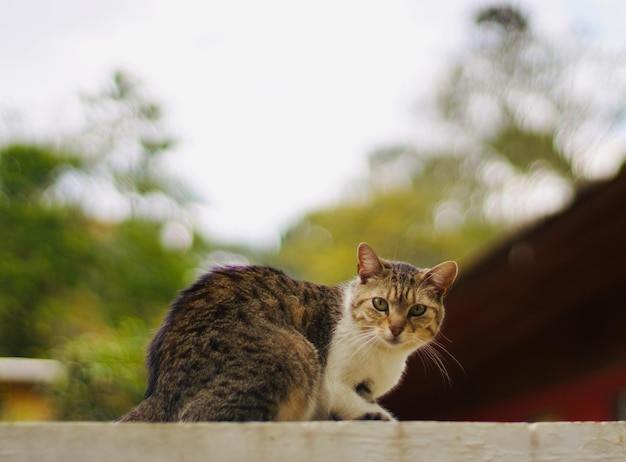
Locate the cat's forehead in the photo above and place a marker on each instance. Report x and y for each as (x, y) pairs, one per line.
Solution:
(399, 282)
(399, 277)
(400, 272)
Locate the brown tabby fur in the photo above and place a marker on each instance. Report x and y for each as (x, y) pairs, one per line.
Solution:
(251, 344)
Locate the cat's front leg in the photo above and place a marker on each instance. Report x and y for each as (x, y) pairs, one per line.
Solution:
(346, 403)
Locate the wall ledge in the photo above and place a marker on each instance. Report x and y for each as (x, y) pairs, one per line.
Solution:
(313, 441)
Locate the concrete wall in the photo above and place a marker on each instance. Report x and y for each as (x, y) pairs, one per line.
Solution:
(314, 441)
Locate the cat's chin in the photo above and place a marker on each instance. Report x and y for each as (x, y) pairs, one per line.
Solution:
(395, 343)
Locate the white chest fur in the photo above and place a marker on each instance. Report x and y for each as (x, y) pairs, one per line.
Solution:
(354, 359)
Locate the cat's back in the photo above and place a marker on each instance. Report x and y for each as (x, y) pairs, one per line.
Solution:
(240, 293)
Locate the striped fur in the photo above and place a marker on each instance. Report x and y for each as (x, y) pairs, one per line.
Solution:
(252, 344)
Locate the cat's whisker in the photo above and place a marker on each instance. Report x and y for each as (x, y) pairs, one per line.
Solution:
(424, 364)
(443, 349)
(438, 362)
(362, 341)
(430, 352)
(359, 337)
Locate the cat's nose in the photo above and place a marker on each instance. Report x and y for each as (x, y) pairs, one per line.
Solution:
(396, 330)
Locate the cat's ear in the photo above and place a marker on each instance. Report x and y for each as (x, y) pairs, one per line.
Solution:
(368, 262)
(443, 275)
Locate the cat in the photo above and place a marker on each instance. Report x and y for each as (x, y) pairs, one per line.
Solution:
(249, 343)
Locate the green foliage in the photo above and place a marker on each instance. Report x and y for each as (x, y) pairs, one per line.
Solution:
(39, 262)
(62, 273)
(105, 373)
(399, 224)
(134, 275)
(27, 171)
(525, 150)
(124, 141)
(42, 249)
(78, 288)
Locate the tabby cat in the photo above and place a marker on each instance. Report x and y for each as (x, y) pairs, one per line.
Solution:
(249, 343)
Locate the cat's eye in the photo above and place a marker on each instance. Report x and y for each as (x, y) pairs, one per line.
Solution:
(418, 310)
(380, 304)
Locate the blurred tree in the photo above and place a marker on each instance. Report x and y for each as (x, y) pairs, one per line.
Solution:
(124, 143)
(514, 113)
(34, 235)
(529, 117)
(532, 105)
(399, 225)
(106, 373)
(82, 288)
(61, 272)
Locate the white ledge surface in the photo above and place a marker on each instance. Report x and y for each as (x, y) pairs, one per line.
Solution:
(313, 441)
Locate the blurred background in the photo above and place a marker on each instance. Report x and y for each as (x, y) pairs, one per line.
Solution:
(143, 142)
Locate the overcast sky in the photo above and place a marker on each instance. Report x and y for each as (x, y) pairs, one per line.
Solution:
(276, 103)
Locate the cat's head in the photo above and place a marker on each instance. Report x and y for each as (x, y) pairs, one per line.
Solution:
(397, 304)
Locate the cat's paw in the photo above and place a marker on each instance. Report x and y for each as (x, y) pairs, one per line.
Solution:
(360, 411)
(376, 416)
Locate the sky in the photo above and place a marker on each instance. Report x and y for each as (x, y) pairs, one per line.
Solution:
(276, 104)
